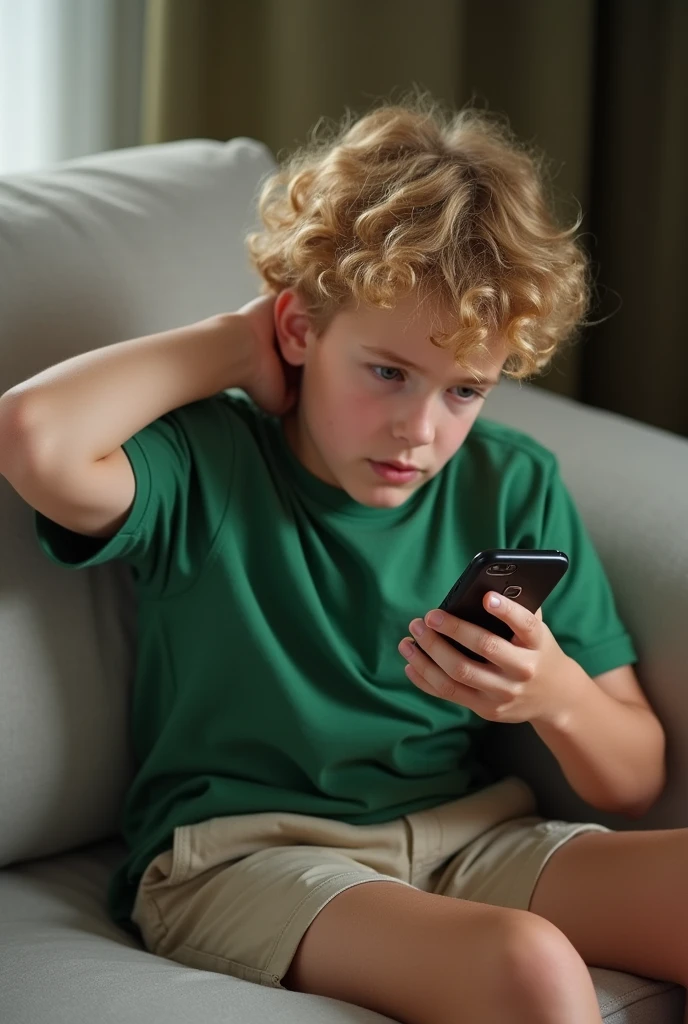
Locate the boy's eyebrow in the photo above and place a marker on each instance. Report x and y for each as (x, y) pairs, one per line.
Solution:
(394, 357)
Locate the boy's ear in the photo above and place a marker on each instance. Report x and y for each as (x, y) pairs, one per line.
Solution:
(292, 327)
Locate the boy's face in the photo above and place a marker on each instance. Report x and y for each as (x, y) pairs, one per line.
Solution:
(381, 409)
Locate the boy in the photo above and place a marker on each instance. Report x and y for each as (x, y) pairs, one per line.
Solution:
(283, 540)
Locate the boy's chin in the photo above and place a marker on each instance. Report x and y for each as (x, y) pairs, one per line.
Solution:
(390, 499)
(380, 496)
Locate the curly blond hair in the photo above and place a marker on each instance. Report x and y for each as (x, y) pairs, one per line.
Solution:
(449, 204)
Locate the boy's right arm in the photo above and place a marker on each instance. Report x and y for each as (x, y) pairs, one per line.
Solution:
(62, 431)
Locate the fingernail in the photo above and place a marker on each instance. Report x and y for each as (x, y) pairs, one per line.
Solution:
(494, 601)
(435, 618)
(417, 627)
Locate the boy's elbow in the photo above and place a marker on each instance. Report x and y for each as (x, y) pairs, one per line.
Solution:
(638, 811)
(23, 442)
(14, 420)
(644, 805)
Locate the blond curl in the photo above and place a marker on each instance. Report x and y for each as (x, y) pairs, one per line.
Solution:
(449, 204)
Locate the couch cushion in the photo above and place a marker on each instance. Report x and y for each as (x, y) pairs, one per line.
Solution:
(629, 481)
(94, 251)
(62, 961)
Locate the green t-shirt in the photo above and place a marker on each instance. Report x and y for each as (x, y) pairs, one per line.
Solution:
(270, 606)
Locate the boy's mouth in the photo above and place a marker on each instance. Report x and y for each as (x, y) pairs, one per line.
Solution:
(395, 472)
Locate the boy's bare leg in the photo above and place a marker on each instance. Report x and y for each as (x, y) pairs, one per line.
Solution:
(426, 959)
(622, 900)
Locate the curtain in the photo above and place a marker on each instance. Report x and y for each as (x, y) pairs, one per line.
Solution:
(600, 85)
(70, 79)
(637, 360)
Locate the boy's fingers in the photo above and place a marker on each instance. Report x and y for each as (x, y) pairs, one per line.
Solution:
(427, 675)
(436, 660)
(527, 626)
(481, 641)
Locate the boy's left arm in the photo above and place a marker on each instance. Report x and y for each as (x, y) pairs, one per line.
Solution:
(604, 734)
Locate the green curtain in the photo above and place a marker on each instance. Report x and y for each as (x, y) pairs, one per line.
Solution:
(600, 85)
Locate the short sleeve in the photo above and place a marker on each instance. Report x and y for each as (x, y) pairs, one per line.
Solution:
(182, 466)
(581, 611)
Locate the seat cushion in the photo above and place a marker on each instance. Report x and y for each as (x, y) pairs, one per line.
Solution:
(62, 961)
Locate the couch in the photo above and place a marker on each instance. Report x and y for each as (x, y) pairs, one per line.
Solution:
(131, 242)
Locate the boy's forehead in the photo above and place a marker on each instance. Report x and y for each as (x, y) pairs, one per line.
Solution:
(403, 334)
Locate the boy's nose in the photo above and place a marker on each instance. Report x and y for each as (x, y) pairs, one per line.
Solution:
(416, 428)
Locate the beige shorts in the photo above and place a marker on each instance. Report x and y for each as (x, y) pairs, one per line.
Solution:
(236, 894)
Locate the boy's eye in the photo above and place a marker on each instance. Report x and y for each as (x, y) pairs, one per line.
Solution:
(386, 372)
(465, 392)
(391, 373)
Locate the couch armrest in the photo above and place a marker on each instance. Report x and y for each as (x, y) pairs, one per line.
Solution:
(630, 483)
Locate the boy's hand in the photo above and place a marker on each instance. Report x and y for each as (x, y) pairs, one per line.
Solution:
(271, 383)
(522, 680)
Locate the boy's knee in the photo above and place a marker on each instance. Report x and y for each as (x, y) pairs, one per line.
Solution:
(538, 960)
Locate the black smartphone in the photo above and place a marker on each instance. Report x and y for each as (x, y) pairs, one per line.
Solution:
(527, 576)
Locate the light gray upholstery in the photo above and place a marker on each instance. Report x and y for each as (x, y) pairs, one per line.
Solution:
(63, 962)
(127, 243)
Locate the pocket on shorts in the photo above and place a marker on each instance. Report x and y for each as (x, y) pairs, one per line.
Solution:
(441, 832)
(167, 869)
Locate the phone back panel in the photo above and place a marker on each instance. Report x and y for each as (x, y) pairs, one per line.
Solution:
(532, 575)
